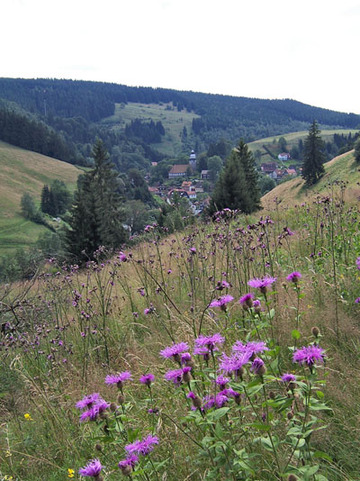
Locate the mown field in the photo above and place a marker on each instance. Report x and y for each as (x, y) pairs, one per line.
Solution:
(21, 172)
(172, 120)
(229, 351)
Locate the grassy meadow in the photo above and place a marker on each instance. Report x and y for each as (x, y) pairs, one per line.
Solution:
(23, 171)
(229, 351)
(172, 120)
(292, 140)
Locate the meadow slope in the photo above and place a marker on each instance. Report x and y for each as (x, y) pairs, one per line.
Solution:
(23, 171)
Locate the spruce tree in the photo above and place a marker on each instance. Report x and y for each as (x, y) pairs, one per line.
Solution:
(237, 187)
(314, 156)
(248, 162)
(357, 150)
(97, 214)
(230, 190)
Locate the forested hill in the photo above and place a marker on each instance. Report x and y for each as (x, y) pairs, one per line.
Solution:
(75, 109)
(96, 100)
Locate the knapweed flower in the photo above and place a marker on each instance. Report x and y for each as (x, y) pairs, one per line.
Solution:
(234, 363)
(118, 379)
(88, 401)
(357, 300)
(252, 347)
(309, 355)
(288, 377)
(122, 257)
(195, 399)
(222, 285)
(143, 447)
(27, 417)
(294, 277)
(258, 367)
(257, 306)
(174, 351)
(247, 300)
(177, 376)
(261, 283)
(358, 263)
(127, 465)
(149, 310)
(97, 409)
(93, 469)
(221, 302)
(222, 381)
(147, 379)
(209, 342)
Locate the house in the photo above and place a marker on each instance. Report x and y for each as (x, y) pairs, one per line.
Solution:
(291, 172)
(205, 174)
(269, 168)
(284, 156)
(178, 170)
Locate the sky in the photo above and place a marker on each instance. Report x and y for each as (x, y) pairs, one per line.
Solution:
(306, 50)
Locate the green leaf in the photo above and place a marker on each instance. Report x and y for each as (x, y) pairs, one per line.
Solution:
(217, 414)
(322, 455)
(295, 334)
(260, 426)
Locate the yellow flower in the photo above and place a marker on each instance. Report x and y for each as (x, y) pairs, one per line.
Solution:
(71, 473)
(27, 417)
(8, 454)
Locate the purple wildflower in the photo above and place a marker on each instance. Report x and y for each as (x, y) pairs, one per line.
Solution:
(209, 341)
(257, 306)
(118, 378)
(247, 300)
(358, 263)
(221, 302)
(192, 250)
(251, 347)
(122, 257)
(222, 285)
(294, 277)
(175, 350)
(235, 362)
(92, 469)
(258, 366)
(147, 379)
(143, 447)
(309, 355)
(287, 377)
(177, 375)
(95, 410)
(357, 300)
(222, 381)
(88, 401)
(127, 465)
(262, 283)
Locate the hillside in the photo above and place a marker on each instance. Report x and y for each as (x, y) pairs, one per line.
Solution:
(76, 111)
(173, 120)
(262, 146)
(293, 192)
(23, 171)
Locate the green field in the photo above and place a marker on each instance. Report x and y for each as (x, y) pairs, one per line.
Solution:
(292, 139)
(23, 171)
(172, 120)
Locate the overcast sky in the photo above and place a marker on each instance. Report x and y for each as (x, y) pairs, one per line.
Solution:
(307, 50)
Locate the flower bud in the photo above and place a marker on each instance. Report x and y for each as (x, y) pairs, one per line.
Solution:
(292, 477)
(121, 399)
(315, 331)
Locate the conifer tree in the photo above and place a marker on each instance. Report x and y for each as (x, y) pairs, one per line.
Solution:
(314, 156)
(357, 150)
(97, 214)
(248, 162)
(237, 187)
